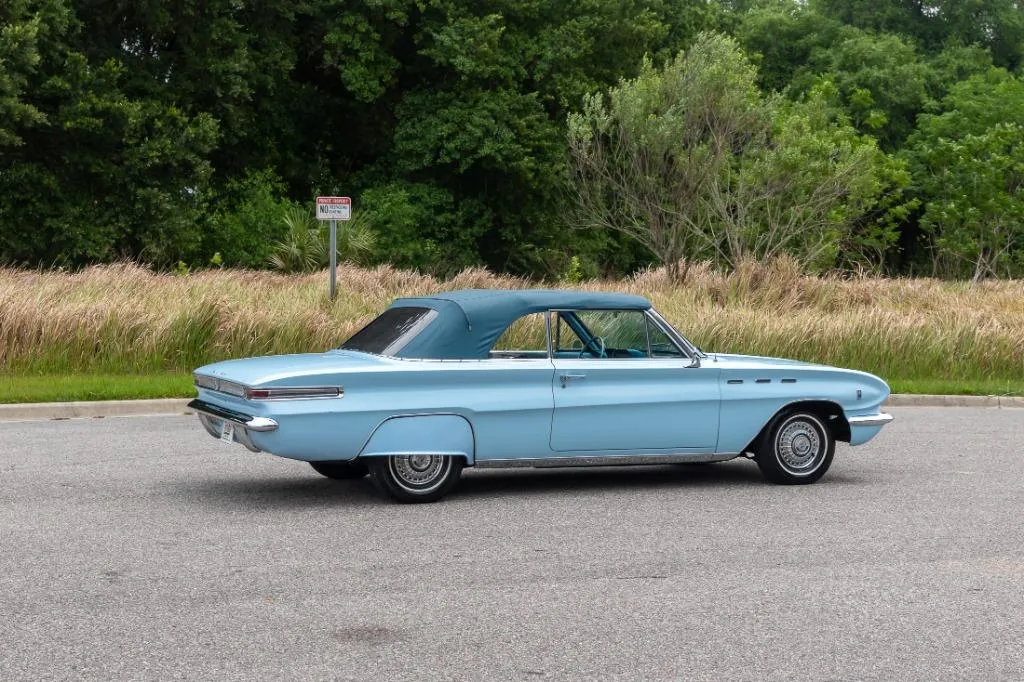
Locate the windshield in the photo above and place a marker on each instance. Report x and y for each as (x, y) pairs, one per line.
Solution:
(390, 331)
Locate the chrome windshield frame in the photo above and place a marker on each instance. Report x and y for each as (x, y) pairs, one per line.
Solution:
(685, 346)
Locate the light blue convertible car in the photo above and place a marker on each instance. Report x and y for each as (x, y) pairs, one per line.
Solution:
(532, 378)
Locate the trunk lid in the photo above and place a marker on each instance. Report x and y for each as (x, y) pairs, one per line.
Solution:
(304, 369)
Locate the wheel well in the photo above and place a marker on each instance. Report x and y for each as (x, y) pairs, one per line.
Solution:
(438, 434)
(830, 413)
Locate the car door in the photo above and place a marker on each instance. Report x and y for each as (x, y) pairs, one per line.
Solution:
(621, 384)
(510, 397)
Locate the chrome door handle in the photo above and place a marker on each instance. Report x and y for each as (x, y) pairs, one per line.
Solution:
(568, 377)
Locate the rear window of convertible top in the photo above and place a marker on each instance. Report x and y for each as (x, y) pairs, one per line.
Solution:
(386, 330)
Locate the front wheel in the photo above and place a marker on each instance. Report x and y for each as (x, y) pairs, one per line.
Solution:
(797, 449)
(415, 478)
(340, 470)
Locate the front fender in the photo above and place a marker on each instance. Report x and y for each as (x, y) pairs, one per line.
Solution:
(424, 434)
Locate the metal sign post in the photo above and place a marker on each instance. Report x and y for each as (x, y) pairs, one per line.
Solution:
(334, 259)
(333, 209)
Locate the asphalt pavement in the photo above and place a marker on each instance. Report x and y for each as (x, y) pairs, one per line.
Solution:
(141, 548)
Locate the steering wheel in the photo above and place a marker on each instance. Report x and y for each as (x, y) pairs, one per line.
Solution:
(594, 347)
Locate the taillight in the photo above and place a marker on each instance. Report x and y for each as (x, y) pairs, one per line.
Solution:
(294, 393)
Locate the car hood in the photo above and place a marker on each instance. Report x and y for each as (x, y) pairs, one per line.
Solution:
(285, 370)
(753, 363)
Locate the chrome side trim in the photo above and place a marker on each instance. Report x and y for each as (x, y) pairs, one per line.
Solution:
(610, 460)
(249, 422)
(871, 420)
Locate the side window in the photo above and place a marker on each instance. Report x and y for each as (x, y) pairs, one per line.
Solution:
(602, 334)
(527, 337)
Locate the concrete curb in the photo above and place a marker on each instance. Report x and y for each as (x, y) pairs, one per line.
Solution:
(909, 400)
(172, 406)
(93, 408)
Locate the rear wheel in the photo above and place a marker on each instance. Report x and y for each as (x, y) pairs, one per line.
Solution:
(415, 478)
(797, 449)
(340, 470)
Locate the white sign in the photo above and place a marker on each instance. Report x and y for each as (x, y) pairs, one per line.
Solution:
(333, 208)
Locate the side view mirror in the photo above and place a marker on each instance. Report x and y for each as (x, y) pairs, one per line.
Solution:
(694, 362)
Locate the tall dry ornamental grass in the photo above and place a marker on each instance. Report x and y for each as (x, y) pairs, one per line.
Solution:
(125, 318)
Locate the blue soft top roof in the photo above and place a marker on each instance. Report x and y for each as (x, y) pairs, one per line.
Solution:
(470, 321)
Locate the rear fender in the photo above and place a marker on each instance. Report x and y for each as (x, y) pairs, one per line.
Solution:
(424, 434)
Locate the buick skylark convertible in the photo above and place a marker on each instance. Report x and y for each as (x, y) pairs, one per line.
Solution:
(532, 378)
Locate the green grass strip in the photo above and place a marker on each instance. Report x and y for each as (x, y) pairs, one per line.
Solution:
(958, 386)
(48, 388)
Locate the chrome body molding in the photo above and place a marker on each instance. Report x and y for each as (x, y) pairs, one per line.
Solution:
(880, 419)
(244, 420)
(604, 461)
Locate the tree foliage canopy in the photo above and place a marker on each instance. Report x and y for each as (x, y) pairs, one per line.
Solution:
(692, 161)
(173, 130)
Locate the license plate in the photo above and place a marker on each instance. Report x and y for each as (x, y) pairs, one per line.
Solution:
(227, 434)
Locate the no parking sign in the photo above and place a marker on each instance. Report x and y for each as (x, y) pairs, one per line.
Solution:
(333, 208)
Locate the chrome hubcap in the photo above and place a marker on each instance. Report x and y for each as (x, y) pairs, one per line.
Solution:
(799, 446)
(420, 462)
(420, 473)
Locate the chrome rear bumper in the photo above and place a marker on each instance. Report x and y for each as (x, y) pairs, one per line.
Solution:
(239, 418)
(871, 420)
(212, 417)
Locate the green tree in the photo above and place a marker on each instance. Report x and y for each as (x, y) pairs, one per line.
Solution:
(968, 170)
(645, 154)
(484, 123)
(810, 189)
(420, 226)
(245, 219)
(782, 36)
(997, 25)
(21, 28)
(99, 173)
(692, 162)
(882, 81)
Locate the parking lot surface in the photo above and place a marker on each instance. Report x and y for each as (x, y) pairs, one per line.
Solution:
(141, 548)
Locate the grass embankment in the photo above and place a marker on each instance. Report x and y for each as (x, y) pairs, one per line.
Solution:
(45, 388)
(123, 331)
